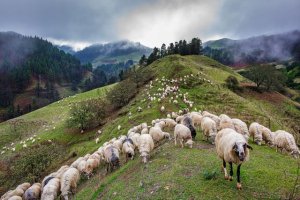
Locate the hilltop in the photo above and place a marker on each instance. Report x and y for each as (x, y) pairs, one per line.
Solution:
(172, 172)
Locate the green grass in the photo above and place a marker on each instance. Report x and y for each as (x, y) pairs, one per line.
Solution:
(175, 173)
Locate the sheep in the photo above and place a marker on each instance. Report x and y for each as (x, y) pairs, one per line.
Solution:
(68, 182)
(213, 117)
(156, 132)
(255, 130)
(232, 147)
(225, 122)
(76, 162)
(285, 140)
(183, 134)
(118, 144)
(51, 189)
(135, 139)
(145, 146)
(33, 192)
(144, 131)
(267, 136)
(15, 198)
(241, 127)
(91, 164)
(187, 121)
(174, 115)
(128, 148)
(209, 129)
(112, 158)
(18, 191)
(169, 122)
(196, 118)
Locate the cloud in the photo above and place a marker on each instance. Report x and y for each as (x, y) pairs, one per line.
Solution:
(165, 21)
(76, 45)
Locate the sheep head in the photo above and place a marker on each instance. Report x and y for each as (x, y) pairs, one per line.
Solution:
(295, 153)
(145, 156)
(240, 149)
(189, 143)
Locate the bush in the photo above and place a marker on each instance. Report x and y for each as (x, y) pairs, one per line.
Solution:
(122, 93)
(232, 83)
(87, 114)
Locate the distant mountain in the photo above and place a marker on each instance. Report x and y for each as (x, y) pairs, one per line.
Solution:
(112, 53)
(260, 49)
(34, 73)
(66, 48)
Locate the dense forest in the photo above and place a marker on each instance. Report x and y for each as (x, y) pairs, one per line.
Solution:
(23, 59)
(194, 47)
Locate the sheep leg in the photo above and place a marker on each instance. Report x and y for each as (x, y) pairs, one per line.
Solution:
(238, 185)
(224, 170)
(231, 172)
(181, 142)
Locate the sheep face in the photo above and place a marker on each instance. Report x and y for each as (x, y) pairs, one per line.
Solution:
(240, 150)
(189, 143)
(145, 157)
(212, 138)
(295, 153)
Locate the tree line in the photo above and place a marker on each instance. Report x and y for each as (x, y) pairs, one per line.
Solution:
(194, 47)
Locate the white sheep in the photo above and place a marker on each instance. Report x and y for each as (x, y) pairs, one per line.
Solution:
(128, 148)
(51, 189)
(225, 122)
(135, 139)
(285, 140)
(241, 127)
(213, 117)
(196, 118)
(68, 182)
(18, 191)
(259, 133)
(145, 131)
(33, 192)
(145, 146)
(209, 129)
(183, 134)
(169, 122)
(232, 148)
(157, 133)
(112, 157)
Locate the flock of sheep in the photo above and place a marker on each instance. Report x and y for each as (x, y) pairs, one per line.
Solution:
(230, 137)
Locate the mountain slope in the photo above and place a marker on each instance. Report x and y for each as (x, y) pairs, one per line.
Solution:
(260, 49)
(172, 172)
(112, 53)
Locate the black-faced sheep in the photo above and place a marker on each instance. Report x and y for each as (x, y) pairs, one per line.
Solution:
(183, 134)
(188, 122)
(285, 140)
(232, 147)
(112, 158)
(34, 192)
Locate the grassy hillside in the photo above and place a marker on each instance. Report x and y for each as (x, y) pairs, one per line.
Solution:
(173, 173)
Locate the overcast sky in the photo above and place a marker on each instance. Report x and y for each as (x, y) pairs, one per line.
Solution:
(151, 22)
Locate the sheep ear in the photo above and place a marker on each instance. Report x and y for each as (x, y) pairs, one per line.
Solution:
(249, 147)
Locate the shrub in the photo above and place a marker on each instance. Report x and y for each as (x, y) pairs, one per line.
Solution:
(209, 175)
(232, 82)
(87, 114)
(122, 93)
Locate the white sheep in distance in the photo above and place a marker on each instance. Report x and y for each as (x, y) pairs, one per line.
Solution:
(225, 122)
(145, 146)
(135, 139)
(183, 134)
(128, 148)
(241, 127)
(169, 122)
(255, 130)
(157, 133)
(68, 182)
(285, 140)
(196, 118)
(112, 158)
(51, 189)
(33, 192)
(232, 147)
(209, 129)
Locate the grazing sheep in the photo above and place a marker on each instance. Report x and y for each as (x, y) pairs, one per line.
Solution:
(51, 189)
(157, 133)
(145, 146)
(174, 115)
(232, 148)
(76, 162)
(285, 140)
(135, 139)
(241, 127)
(255, 130)
(18, 191)
(169, 122)
(213, 117)
(225, 122)
(187, 121)
(183, 134)
(68, 182)
(128, 148)
(33, 192)
(145, 131)
(267, 136)
(209, 128)
(118, 144)
(196, 118)
(91, 164)
(112, 158)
